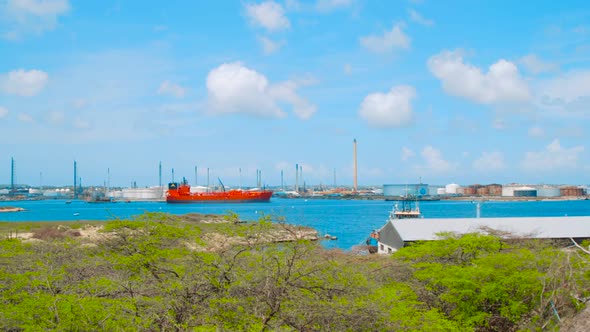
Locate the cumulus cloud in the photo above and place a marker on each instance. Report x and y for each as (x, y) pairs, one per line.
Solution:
(234, 88)
(407, 153)
(389, 110)
(416, 17)
(32, 16)
(269, 46)
(171, 89)
(269, 15)
(434, 161)
(388, 42)
(501, 83)
(3, 112)
(329, 5)
(23, 83)
(567, 94)
(490, 161)
(554, 157)
(536, 66)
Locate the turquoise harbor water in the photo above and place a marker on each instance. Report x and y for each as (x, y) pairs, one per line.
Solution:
(350, 220)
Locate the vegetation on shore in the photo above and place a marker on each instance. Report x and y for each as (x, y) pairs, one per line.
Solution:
(161, 272)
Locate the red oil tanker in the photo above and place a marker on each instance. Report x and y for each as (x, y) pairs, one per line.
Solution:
(181, 193)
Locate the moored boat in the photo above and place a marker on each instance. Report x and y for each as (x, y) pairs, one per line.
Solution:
(181, 193)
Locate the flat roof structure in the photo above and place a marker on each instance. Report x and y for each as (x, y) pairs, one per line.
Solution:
(397, 232)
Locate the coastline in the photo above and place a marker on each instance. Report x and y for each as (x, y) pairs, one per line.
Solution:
(10, 209)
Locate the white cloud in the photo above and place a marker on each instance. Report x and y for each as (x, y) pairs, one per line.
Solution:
(434, 161)
(568, 93)
(287, 91)
(32, 16)
(502, 82)
(554, 157)
(172, 89)
(269, 15)
(329, 5)
(3, 112)
(388, 42)
(269, 46)
(389, 110)
(234, 88)
(490, 161)
(536, 131)
(24, 117)
(536, 66)
(23, 83)
(407, 153)
(416, 17)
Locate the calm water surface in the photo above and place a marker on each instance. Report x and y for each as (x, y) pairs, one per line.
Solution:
(350, 220)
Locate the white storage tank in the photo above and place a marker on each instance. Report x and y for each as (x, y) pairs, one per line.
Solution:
(452, 188)
(548, 191)
(441, 191)
(508, 191)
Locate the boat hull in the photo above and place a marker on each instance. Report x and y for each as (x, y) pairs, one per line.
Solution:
(184, 196)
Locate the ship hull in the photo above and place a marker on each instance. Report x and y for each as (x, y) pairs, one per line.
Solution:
(233, 196)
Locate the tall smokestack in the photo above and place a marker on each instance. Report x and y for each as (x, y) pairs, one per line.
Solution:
(75, 179)
(196, 183)
(301, 177)
(11, 176)
(334, 178)
(160, 174)
(297, 177)
(355, 166)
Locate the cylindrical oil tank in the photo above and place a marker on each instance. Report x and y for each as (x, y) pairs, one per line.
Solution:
(572, 191)
(508, 191)
(441, 191)
(495, 189)
(452, 188)
(548, 191)
(525, 192)
(469, 191)
(482, 191)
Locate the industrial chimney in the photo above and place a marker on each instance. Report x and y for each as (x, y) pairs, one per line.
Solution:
(355, 168)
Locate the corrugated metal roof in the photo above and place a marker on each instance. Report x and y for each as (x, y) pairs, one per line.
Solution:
(526, 227)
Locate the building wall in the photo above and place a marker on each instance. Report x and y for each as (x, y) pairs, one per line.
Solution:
(405, 189)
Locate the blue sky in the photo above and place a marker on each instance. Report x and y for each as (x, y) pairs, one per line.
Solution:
(442, 91)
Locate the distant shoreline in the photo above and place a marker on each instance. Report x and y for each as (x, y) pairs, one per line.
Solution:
(10, 209)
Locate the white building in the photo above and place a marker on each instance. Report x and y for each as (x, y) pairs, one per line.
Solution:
(397, 232)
